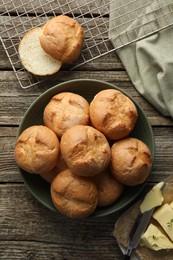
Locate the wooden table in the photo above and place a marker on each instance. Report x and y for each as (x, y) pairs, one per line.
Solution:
(28, 230)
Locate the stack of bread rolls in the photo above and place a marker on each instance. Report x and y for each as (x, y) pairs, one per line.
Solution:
(84, 151)
(43, 50)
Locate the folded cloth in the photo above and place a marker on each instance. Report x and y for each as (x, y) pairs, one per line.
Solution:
(148, 62)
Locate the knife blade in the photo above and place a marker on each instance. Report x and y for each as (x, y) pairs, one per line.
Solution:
(137, 230)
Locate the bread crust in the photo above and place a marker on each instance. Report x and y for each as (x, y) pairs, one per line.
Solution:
(49, 176)
(65, 110)
(37, 149)
(85, 150)
(60, 166)
(62, 38)
(113, 113)
(109, 189)
(131, 161)
(74, 196)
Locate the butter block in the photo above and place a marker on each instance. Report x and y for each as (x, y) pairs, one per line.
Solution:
(164, 216)
(171, 204)
(153, 198)
(154, 239)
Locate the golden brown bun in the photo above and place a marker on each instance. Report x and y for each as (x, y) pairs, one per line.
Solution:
(113, 114)
(37, 149)
(49, 176)
(109, 189)
(74, 196)
(65, 110)
(62, 38)
(131, 161)
(85, 150)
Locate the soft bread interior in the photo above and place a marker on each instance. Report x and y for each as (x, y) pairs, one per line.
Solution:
(34, 58)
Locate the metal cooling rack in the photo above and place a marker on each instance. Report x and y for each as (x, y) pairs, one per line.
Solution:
(109, 25)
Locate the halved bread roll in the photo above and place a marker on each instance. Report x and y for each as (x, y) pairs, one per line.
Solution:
(34, 58)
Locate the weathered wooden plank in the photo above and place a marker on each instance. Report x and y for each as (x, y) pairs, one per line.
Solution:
(161, 168)
(107, 62)
(96, 37)
(96, 32)
(9, 78)
(14, 101)
(58, 6)
(34, 228)
(37, 250)
(14, 27)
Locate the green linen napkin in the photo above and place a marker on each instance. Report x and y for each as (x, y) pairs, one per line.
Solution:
(149, 61)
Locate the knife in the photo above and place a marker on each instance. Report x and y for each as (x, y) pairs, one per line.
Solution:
(138, 229)
(153, 199)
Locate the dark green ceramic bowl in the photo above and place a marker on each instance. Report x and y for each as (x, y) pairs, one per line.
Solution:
(86, 88)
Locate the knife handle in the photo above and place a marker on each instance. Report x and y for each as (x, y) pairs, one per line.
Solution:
(128, 253)
(126, 257)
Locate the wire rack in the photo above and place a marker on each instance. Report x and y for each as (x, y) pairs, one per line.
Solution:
(108, 24)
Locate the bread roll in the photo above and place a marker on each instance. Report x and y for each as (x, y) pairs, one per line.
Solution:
(109, 189)
(85, 150)
(62, 38)
(37, 149)
(34, 58)
(113, 114)
(65, 110)
(131, 161)
(49, 176)
(74, 196)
